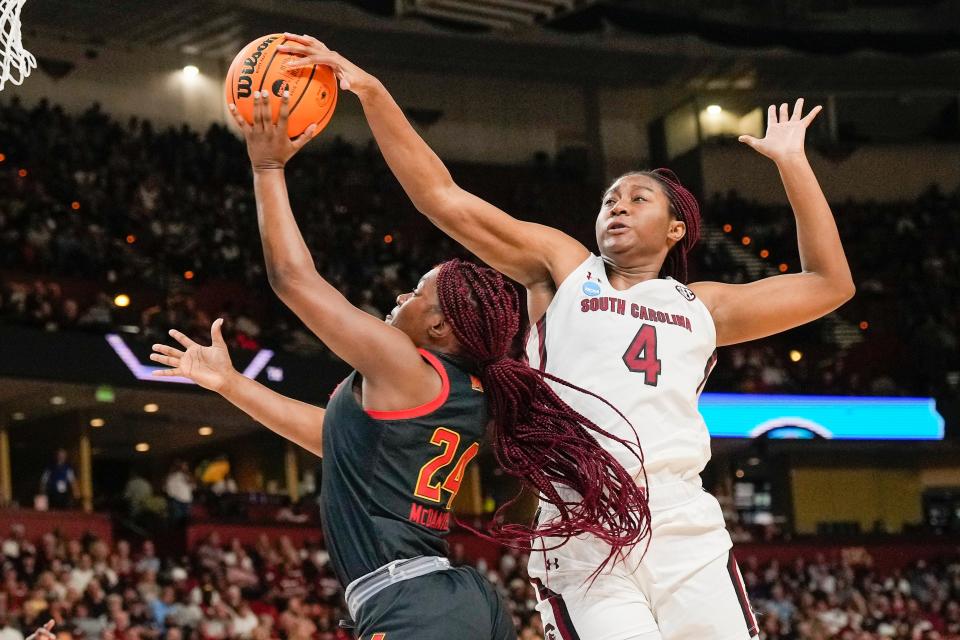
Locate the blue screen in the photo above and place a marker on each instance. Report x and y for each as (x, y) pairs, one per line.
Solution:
(730, 415)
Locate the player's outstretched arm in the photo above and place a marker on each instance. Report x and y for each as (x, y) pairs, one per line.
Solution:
(392, 367)
(750, 311)
(211, 368)
(531, 254)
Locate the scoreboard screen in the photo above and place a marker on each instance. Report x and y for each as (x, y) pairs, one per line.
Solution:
(737, 415)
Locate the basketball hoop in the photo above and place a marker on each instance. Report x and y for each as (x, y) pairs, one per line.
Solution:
(15, 61)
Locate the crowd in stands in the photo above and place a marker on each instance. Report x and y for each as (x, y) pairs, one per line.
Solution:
(904, 258)
(220, 590)
(275, 589)
(816, 599)
(93, 207)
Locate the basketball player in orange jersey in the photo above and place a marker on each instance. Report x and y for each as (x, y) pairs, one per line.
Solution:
(625, 325)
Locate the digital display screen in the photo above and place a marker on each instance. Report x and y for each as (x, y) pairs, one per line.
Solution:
(736, 415)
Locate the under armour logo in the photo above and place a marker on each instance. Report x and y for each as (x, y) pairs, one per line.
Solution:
(555, 561)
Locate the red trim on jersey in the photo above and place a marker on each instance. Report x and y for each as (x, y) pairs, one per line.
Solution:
(424, 409)
(707, 370)
(748, 616)
(562, 617)
(542, 341)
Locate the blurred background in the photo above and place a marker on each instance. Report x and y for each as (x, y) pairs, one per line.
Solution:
(139, 509)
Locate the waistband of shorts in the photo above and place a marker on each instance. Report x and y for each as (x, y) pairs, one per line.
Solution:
(671, 491)
(369, 585)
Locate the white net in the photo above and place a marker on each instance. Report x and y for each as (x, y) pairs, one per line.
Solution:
(15, 62)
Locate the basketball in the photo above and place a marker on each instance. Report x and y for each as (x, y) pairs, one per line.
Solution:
(260, 66)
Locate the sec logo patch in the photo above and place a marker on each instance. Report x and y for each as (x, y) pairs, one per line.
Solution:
(591, 288)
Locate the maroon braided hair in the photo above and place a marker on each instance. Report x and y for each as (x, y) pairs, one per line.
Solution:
(537, 437)
(683, 207)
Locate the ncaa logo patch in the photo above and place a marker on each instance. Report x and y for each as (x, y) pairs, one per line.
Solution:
(591, 288)
(279, 86)
(686, 293)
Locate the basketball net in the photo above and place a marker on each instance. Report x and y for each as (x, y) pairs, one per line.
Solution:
(15, 61)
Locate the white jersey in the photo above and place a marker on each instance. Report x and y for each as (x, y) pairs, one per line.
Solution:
(646, 350)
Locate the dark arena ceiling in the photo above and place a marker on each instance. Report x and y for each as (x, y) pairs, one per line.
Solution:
(812, 45)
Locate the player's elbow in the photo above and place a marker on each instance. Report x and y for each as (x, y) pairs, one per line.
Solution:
(846, 289)
(439, 203)
(840, 291)
(288, 278)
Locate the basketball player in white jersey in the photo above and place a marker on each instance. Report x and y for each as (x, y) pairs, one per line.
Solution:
(615, 324)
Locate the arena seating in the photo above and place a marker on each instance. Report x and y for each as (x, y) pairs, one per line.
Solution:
(275, 585)
(96, 207)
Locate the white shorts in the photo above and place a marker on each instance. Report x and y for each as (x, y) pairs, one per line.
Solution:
(687, 587)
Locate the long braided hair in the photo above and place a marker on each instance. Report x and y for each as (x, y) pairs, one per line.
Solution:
(683, 207)
(537, 437)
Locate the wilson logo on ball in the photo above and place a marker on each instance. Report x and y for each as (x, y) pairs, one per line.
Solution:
(245, 81)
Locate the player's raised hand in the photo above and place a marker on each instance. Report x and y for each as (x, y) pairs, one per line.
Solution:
(312, 51)
(267, 143)
(210, 367)
(785, 132)
(44, 633)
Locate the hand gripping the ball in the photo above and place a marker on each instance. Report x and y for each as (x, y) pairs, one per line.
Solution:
(267, 143)
(312, 51)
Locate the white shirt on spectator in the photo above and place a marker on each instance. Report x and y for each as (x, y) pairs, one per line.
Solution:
(9, 633)
(179, 487)
(80, 578)
(243, 625)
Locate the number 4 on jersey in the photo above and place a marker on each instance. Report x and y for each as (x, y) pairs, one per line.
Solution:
(641, 355)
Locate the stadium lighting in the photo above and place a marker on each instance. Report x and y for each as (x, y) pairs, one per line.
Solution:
(795, 356)
(122, 300)
(714, 110)
(58, 400)
(96, 423)
(19, 416)
(151, 407)
(205, 431)
(142, 447)
(190, 71)
(740, 473)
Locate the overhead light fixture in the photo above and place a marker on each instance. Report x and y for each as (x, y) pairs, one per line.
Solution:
(191, 71)
(97, 423)
(142, 447)
(796, 356)
(205, 431)
(714, 110)
(19, 415)
(151, 407)
(122, 300)
(58, 400)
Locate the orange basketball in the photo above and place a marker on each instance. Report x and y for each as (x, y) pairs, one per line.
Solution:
(259, 66)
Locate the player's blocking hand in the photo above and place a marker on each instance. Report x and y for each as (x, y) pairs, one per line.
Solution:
(267, 143)
(210, 367)
(312, 51)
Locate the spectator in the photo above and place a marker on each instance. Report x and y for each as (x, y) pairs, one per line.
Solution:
(179, 489)
(137, 494)
(59, 482)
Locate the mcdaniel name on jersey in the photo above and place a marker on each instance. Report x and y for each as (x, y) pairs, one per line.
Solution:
(638, 311)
